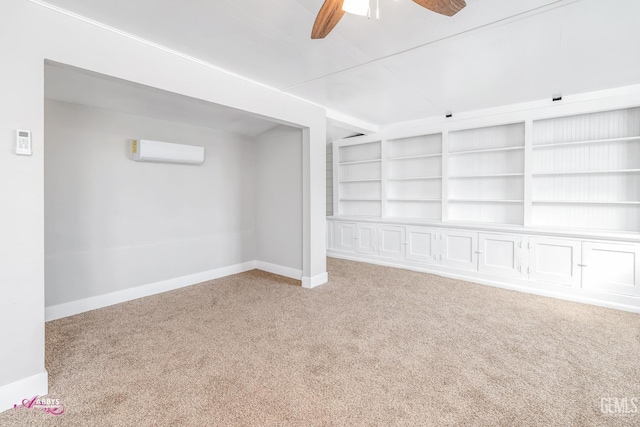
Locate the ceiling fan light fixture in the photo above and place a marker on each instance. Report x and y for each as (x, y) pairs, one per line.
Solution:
(356, 7)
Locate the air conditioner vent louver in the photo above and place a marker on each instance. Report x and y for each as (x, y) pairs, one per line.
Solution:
(165, 152)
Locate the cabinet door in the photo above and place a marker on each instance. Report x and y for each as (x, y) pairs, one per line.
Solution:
(392, 241)
(555, 261)
(345, 240)
(366, 238)
(422, 245)
(610, 267)
(500, 254)
(460, 249)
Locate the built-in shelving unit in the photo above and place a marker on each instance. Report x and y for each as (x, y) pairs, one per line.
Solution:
(486, 175)
(525, 199)
(586, 171)
(414, 177)
(580, 172)
(360, 179)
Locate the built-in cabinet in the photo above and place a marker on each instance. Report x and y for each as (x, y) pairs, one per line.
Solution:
(413, 177)
(392, 241)
(540, 202)
(555, 260)
(579, 172)
(611, 268)
(486, 175)
(586, 171)
(359, 179)
(600, 267)
(459, 249)
(346, 236)
(423, 245)
(500, 254)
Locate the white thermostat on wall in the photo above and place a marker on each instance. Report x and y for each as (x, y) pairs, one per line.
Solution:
(23, 142)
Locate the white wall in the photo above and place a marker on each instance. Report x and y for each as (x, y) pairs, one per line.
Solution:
(67, 40)
(113, 224)
(279, 197)
(329, 178)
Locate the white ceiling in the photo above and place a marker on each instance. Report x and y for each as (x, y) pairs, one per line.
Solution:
(412, 63)
(68, 84)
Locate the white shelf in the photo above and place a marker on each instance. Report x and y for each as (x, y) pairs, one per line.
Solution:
(585, 202)
(417, 178)
(485, 176)
(421, 156)
(593, 141)
(468, 224)
(360, 180)
(410, 219)
(358, 162)
(413, 200)
(486, 150)
(587, 172)
(485, 201)
(477, 176)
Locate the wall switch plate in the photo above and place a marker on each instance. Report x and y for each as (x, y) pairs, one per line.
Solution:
(23, 142)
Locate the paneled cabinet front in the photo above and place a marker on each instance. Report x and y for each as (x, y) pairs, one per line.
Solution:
(555, 260)
(392, 243)
(345, 236)
(366, 239)
(460, 249)
(607, 268)
(611, 268)
(500, 254)
(423, 245)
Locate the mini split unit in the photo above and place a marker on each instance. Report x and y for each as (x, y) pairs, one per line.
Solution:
(165, 152)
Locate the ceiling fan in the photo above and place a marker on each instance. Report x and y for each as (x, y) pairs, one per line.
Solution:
(333, 10)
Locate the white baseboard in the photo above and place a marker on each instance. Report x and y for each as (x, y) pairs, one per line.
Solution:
(100, 301)
(15, 393)
(312, 282)
(279, 270)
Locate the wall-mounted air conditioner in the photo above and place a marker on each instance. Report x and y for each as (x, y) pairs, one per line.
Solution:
(165, 152)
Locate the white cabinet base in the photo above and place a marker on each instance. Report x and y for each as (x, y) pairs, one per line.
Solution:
(587, 271)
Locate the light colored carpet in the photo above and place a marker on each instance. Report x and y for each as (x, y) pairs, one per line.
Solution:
(375, 346)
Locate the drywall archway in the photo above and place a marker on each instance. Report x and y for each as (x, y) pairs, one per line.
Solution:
(67, 39)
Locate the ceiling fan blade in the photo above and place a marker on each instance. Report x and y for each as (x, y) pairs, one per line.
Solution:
(330, 14)
(443, 7)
